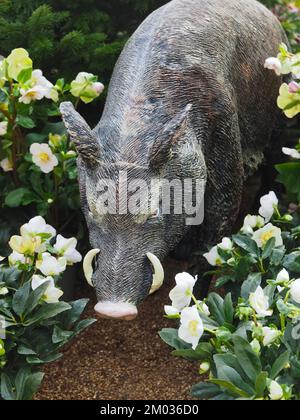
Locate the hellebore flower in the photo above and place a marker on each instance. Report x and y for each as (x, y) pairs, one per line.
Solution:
(213, 257)
(52, 293)
(294, 87)
(170, 310)
(3, 291)
(181, 294)
(288, 102)
(276, 392)
(270, 335)
(50, 266)
(38, 88)
(252, 222)
(67, 248)
(17, 61)
(261, 236)
(283, 276)
(291, 152)
(6, 165)
(191, 326)
(86, 87)
(267, 205)
(37, 226)
(15, 258)
(3, 128)
(295, 290)
(226, 244)
(43, 157)
(27, 246)
(260, 303)
(273, 63)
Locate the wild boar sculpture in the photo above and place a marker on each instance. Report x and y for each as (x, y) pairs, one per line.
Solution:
(189, 99)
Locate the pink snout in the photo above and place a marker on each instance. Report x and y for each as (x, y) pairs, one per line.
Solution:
(122, 310)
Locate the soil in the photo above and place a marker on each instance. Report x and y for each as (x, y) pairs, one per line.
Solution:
(119, 360)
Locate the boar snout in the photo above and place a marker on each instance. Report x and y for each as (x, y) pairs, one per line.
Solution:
(116, 310)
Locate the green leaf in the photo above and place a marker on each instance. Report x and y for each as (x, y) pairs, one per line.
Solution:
(15, 197)
(31, 385)
(20, 299)
(247, 244)
(25, 121)
(248, 359)
(230, 387)
(48, 311)
(292, 262)
(229, 374)
(250, 285)
(35, 297)
(60, 335)
(7, 388)
(216, 307)
(83, 324)
(261, 384)
(204, 390)
(268, 248)
(24, 75)
(228, 309)
(170, 337)
(280, 364)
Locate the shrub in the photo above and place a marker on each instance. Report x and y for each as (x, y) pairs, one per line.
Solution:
(37, 159)
(34, 323)
(249, 341)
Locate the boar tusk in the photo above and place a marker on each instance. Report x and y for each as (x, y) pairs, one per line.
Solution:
(87, 265)
(158, 275)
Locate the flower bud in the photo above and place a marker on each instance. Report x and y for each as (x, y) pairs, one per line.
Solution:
(204, 368)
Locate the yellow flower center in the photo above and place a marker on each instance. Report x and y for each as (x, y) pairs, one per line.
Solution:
(266, 236)
(44, 157)
(193, 327)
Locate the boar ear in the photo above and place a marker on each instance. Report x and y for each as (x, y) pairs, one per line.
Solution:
(83, 137)
(161, 150)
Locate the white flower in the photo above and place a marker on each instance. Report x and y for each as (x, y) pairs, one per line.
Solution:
(15, 258)
(52, 293)
(191, 326)
(252, 222)
(98, 87)
(261, 236)
(255, 346)
(276, 392)
(203, 308)
(50, 266)
(294, 87)
(291, 152)
(67, 248)
(37, 226)
(39, 88)
(3, 128)
(180, 295)
(226, 244)
(270, 335)
(6, 165)
(170, 310)
(33, 94)
(260, 303)
(268, 203)
(213, 257)
(295, 290)
(273, 63)
(3, 291)
(204, 368)
(283, 276)
(43, 157)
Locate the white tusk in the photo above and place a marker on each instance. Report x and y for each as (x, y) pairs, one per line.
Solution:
(87, 265)
(158, 275)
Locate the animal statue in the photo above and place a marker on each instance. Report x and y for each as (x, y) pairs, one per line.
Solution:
(189, 98)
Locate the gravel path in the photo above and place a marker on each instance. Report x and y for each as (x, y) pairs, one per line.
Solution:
(122, 360)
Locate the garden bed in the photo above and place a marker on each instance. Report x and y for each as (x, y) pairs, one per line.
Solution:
(121, 360)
